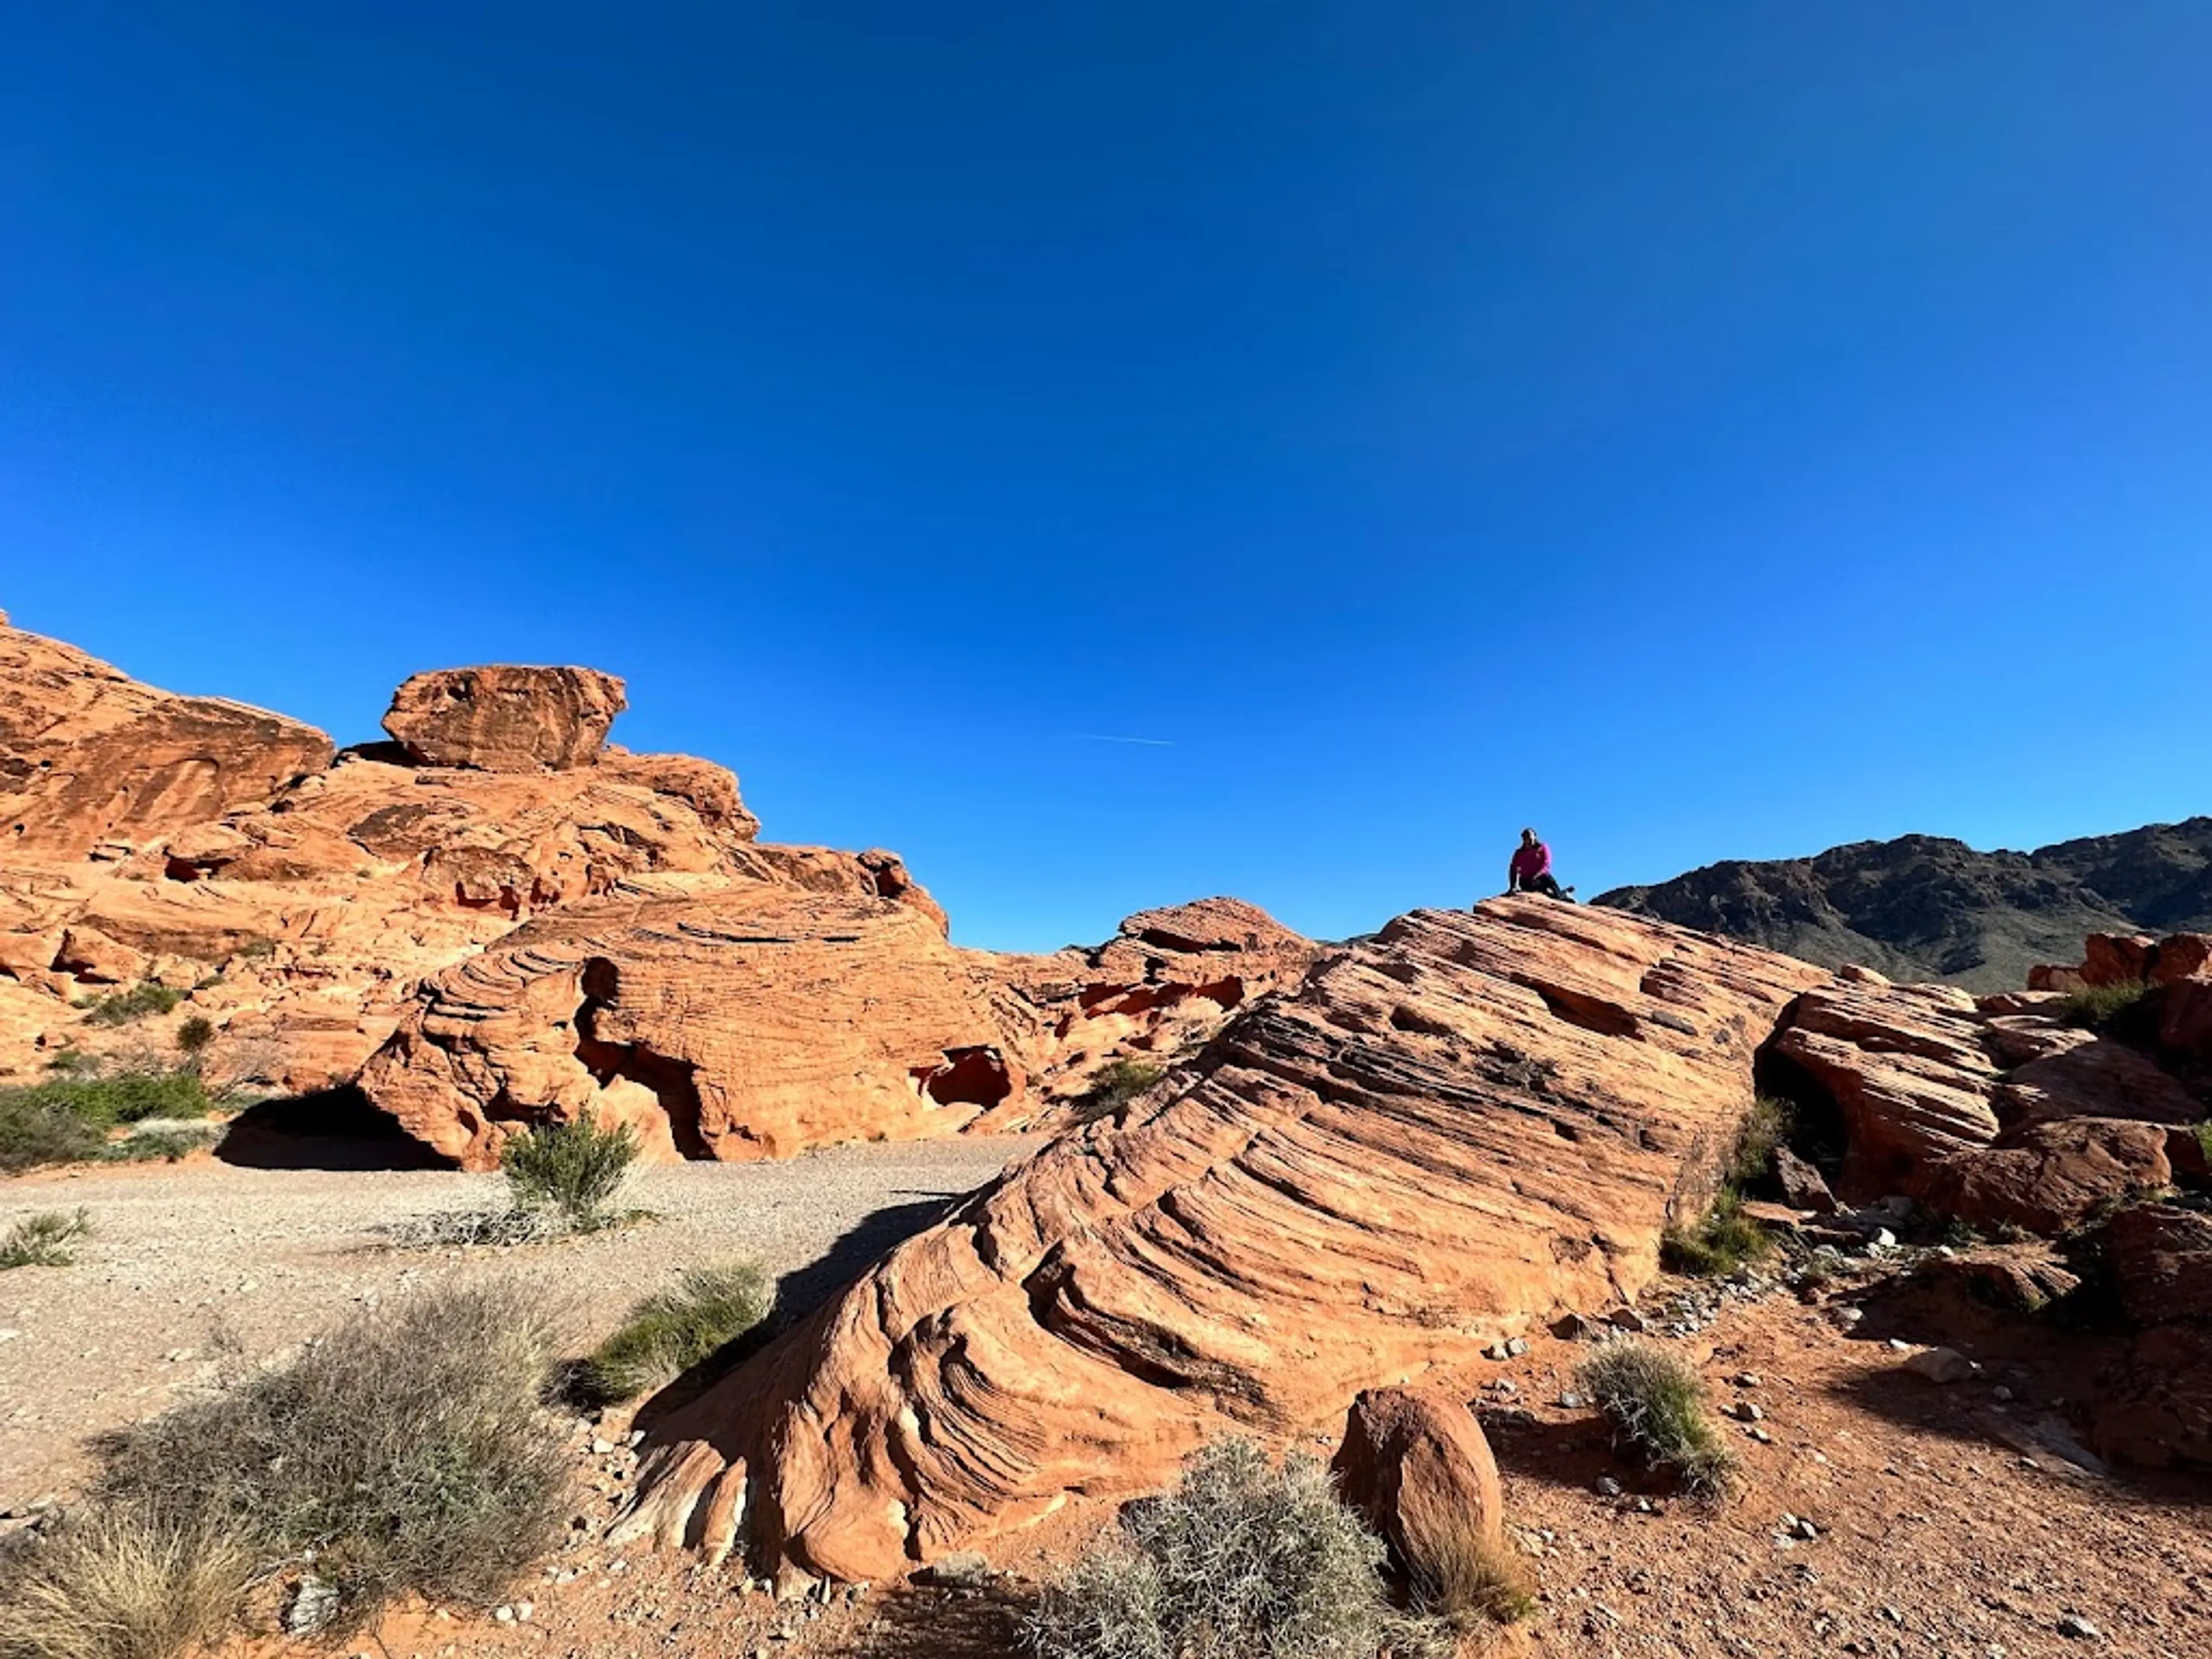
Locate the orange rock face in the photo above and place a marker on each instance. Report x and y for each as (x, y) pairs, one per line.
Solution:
(1165, 983)
(750, 1021)
(505, 719)
(1467, 1124)
(90, 758)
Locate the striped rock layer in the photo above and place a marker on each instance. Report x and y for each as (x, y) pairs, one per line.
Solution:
(1465, 1125)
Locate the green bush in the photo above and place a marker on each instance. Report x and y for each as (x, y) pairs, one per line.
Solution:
(43, 1240)
(1724, 1240)
(1657, 1403)
(140, 1001)
(66, 1119)
(1242, 1560)
(36, 1131)
(170, 1143)
(666, 1335)
(1115, 1086)
(408, 1450)
(573, 1169)
(1767, 1127)
(2097, 1006)
(197, 1031)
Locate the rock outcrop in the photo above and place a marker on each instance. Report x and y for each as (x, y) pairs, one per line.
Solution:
(753, 1020)
(92, 761)
(506, 719)
(1165, 983)
(1467, 1124)
(2154, 1405)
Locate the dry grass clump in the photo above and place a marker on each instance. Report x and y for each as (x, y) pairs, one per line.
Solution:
(114, 1583)
(1466, 1581)
(406, 1452)
(43, 1240)
(1724, 1240)
(668, 1332)
(1242, 1560)
(1657, 1403)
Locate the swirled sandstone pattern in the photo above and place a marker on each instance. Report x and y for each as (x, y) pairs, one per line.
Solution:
(1459, 1126)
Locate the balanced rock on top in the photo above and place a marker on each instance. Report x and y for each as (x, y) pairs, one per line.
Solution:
(506, 719)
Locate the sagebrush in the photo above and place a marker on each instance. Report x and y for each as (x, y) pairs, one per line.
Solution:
(1656, 1402)
(667, 1334)
(2098, 1005)
(408, 1450)
(1244, 1559)
(139, 1002)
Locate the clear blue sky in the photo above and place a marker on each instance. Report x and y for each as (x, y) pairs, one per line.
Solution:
(1699, 430)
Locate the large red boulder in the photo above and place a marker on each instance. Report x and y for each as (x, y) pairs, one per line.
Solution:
(1415, 1464)
(506, 719)
(2047, 1177)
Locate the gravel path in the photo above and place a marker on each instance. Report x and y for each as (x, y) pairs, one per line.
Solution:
(185, 1257)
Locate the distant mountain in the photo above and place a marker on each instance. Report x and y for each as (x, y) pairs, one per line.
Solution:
(1922, 907)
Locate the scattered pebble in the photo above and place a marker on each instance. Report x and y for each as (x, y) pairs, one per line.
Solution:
(1608, 1486)
(2080, 1629)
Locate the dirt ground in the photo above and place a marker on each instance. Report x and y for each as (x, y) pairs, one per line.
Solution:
(183, 1258)
(1955, 1522)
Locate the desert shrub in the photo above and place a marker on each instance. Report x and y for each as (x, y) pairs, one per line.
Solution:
(66, 1119)
(195, 1033)
(1243, 1560)
(257, 950)
(168, 1142)
(43, 1240)
(1115, 1086)
(2204, 1133)
(36, 1131)
(1464, 1580)
(668, 1332)
(1768, 1126)
(443, 1230)
(574, 1169)
(2098, 1005)
(407, 1450)
(115, 1582)
(140, 1001)
(1724, 1240)
(1657, 1403)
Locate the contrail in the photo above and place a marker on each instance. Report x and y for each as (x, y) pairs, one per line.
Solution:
(1107, 737)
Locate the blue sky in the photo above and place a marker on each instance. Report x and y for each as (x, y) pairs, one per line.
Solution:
(1697, 430)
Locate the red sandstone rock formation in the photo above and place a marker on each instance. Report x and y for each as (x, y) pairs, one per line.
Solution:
(1466, 1125)
(506, 719)
(749, 1021)
(1159, 987)
(92, 760)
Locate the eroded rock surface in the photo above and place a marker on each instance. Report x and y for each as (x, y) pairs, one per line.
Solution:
(1414, 1463)
(92, 760)
(506, 719)
(1463, 1125)
(750, 1021)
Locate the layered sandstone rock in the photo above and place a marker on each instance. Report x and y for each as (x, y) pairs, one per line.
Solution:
(1160, 987)
(749, 1021)
(2154, 1405)
(1466, 1125)
(506, 719)
(91, 759)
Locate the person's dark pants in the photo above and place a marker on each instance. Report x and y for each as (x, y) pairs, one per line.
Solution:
(1546, 884)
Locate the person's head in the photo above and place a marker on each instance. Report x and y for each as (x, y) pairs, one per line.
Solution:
(1528, 837)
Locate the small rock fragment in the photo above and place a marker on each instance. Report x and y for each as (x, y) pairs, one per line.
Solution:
(1940, 1366)
(2078, 1628)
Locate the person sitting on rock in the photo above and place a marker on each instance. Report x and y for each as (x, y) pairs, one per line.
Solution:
(1530, 870)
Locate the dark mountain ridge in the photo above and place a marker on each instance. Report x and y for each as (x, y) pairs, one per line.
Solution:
(1926, 907)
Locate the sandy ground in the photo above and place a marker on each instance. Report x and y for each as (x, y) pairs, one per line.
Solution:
(183, 1258)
